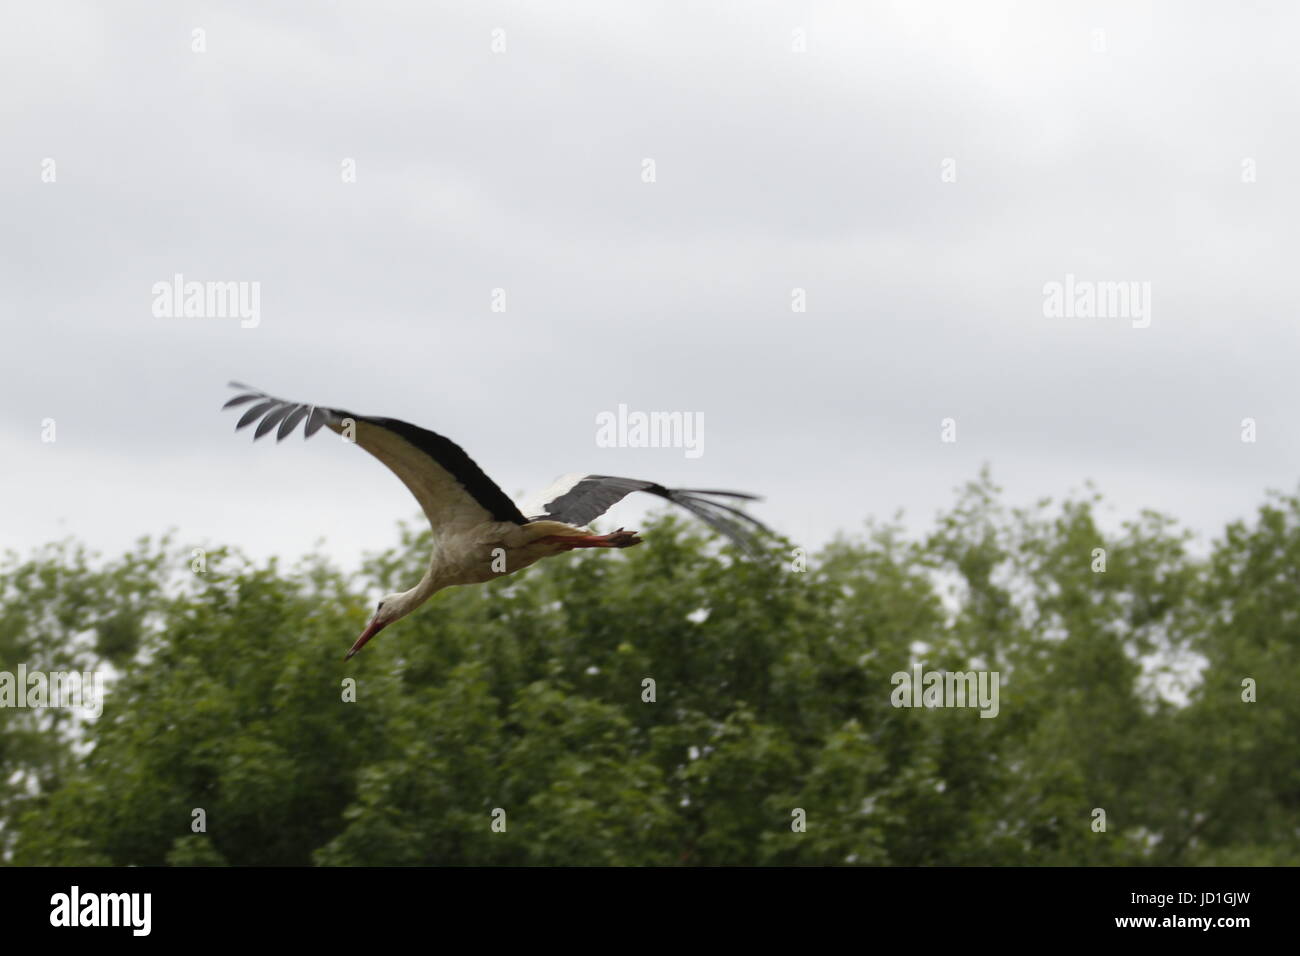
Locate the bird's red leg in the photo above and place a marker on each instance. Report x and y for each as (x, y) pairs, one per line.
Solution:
(615, 539)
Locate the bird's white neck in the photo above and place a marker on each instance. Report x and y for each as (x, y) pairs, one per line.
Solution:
(429, 585)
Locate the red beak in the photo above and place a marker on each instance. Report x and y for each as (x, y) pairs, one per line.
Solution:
(373, 628)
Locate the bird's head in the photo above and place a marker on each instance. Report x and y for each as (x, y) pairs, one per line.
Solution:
(390, 608)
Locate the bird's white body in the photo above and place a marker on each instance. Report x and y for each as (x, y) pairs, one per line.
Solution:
(478, 554)
(488, 551)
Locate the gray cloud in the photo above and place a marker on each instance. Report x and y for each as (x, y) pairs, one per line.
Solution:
(521, 170)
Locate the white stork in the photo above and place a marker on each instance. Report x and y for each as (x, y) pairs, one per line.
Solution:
(474, 523)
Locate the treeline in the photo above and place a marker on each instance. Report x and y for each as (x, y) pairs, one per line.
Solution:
(672, 704)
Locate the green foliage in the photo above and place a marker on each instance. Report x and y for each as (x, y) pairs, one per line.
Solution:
(772, 702)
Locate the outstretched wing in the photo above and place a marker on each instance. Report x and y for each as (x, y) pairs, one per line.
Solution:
(580, 499)
(452, 490)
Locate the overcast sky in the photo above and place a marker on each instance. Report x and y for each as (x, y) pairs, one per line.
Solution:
(922, 171)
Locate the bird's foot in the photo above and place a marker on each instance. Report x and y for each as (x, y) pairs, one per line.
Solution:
(620, 539)
(615, 539)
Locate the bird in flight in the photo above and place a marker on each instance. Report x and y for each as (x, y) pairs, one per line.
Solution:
(478, 532)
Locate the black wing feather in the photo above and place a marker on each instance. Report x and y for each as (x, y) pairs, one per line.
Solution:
(453, 458)
(593, 495)
(444, 452)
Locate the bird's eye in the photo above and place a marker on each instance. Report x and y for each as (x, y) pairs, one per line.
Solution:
(379, 607)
